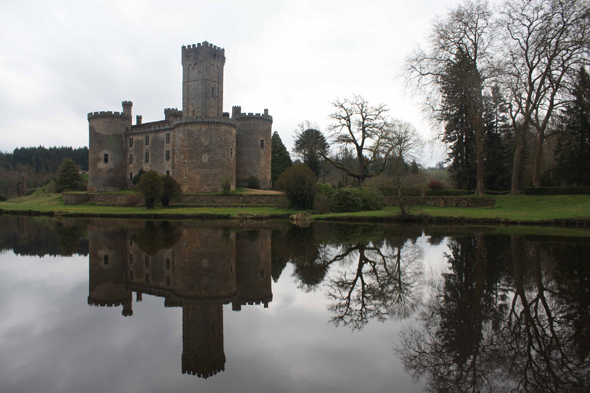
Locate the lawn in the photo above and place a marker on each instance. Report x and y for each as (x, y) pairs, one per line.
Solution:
(516, 208)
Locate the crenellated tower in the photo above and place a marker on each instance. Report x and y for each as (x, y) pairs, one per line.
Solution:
(202, 80)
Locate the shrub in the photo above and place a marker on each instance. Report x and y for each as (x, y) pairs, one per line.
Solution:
(371, 198)
(137, 177)
(325, 189)
(225, 184)
(152, 188)
(2, 198)
(253, 182)
(69, 178)
(298, 182)
(322, 204)
(406, 191)
(448, 192)
(583, 190)
(436, 185)
(347, 200)
(171, 190)
(30, 191)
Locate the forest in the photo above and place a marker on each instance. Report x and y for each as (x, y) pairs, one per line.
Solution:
(36, 166)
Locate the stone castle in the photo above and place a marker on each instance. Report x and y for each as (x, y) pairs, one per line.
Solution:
(197, 145)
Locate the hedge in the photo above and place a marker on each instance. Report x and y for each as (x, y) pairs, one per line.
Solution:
(392, 191)
(583, 190)
(448, 192)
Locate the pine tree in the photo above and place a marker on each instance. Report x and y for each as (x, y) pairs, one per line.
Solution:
(573, 147)
(497, 141)
(281, 160)
(69, 178)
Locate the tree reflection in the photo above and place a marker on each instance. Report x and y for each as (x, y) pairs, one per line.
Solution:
(492, 325)
(380, 281)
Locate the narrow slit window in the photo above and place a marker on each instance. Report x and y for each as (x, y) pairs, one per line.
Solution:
(167, 173)
(167, 155)
(131, 158)
(106, 158)
(147, 156)
(167, 264)
(231, 152)
(105, 260)
(147, 140)
(147, 262)
(130, 175)
(167, 137)
(262, 143)
(131, 142)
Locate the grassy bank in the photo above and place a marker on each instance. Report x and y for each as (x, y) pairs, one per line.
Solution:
(516, 209)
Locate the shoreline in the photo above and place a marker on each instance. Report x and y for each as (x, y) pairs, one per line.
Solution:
(358, 217)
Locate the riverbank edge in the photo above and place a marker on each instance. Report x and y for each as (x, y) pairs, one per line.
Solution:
(419, 218)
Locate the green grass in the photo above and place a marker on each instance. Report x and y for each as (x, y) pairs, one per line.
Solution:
(519, 208)
(53, 202)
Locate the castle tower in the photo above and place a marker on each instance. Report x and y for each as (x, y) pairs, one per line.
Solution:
(107, 151)
(253, 147)
(107, 284)
(202, 80)
(253, 264)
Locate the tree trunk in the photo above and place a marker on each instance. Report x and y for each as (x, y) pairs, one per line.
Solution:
(517, 162)
(538, 158)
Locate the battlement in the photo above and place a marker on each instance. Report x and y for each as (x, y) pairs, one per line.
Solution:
(172, 112)
(127, 103)
(161, 125)
(202, 45)
(120, 115)
(238, 115)
(207, 120)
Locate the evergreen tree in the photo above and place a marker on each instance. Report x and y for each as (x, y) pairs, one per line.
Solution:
(310, 145)
(497, 142)
(458, 133)
(573, 146)
(69, 178)
(280, 160)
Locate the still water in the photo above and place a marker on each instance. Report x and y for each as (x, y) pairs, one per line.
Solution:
(152, 306)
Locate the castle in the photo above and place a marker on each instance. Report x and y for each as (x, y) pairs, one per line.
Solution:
(198, 145)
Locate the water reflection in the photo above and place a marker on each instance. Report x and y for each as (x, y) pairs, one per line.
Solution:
(198, 269)
(492, 313)
(510, 315)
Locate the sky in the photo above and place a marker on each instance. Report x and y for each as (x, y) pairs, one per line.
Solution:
(60, 60)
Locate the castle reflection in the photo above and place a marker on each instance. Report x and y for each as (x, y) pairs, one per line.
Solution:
(198, 269)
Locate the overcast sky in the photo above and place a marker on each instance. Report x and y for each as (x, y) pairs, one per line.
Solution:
(60, 60)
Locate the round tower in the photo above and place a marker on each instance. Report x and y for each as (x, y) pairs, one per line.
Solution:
(253, 265)
(106, 149)
(202, 80)
(253, 147)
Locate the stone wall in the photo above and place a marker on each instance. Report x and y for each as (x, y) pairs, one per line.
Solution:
(103, 199)
(232, 199)
(441, 201)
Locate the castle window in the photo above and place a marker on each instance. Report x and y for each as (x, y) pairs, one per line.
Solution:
(231, 152)
(130, 141)
(261, 273)
(213, 90)
(262, 143)
(130, 241)
(131, 158)
(167, 137)
(185, 175)
(167, 173)
(184, 163)
(147, 140)
(105, 260)
(131, 259)
(131, 275)
(147, 156)
(130, 176)
(106, 158)
(147, 262)
(147, 278)
(167, 264)
(167, 155)
(167, 281)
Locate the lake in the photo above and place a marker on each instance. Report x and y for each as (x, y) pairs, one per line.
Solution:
(219, 306)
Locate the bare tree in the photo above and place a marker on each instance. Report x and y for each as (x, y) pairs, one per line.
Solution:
(545, 42)
(460, 42)
(371, 134)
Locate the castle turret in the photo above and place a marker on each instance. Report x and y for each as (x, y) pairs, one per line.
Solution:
(202, 81)
(253, 147)
(106, 149)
